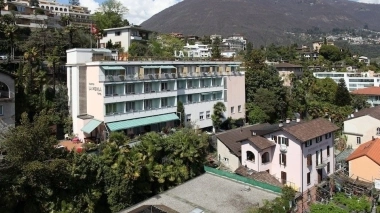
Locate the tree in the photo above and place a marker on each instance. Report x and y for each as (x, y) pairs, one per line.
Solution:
(137, 49)
(257, 115)
(110, 14)
(342, 96)
(322, 208)
(181, 112)
(331, 53)
(215, 51)
(119, 138)
(218, 114)
(359, 102)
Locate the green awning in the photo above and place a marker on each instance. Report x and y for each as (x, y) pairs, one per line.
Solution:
(113, 68)
(167, 67)
(150, 67)
(233, 65)
(127, 124)
(90, 126)
(206, 93)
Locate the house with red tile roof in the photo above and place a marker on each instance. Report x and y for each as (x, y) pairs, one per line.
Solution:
(372, 94)
(362, 126)
(364, 162)
(298, 153)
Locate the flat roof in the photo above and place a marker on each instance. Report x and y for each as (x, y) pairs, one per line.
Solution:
(127, 27)
(211, 194)
(103, 50)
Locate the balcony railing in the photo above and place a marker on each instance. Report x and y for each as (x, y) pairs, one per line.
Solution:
(204, 101)
(131, 111)
(136, 77)
(323, 164)
(283, 148)
(148, 58)
(139, 93)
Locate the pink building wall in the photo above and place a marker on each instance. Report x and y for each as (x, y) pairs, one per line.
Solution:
(236, 96)
(95, 99)
(296, 160)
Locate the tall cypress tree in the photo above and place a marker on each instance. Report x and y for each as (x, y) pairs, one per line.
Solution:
(342, 96)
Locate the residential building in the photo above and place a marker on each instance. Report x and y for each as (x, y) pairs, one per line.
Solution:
(7, 98)
(298, 153)
(108, 94)
(286, 70)
(235, 42)
(364, 162)
(365, 60)
(30, 16)
(197, 50)
(353, 81)
(124, 36)
(362, 126)
(318, 44)
(205, 193)
(371, 93)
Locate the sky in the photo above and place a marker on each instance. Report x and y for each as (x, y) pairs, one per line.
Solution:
(141, 10)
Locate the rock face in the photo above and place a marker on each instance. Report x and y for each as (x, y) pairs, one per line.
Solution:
(263, 21)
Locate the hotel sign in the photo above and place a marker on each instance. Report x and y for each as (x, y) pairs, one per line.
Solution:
(194, 54)
(92, 87)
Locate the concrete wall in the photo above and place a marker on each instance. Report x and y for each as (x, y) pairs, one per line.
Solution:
(124, 38)
(8, 104)
(363, 127)
(364, 168)
(223, 152)
(235, 96)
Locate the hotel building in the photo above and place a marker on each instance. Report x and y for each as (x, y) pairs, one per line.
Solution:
(110, 93)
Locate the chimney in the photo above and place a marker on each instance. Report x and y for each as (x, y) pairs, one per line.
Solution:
(356, 110)
(287, 120)
(280, 124)
(352, 115)
(298, 120)
(373, 138)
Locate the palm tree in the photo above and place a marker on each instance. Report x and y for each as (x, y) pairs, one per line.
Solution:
(52, 61)
(218, 114)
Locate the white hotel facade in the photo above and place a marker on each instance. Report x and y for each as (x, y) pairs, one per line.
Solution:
(108, 94)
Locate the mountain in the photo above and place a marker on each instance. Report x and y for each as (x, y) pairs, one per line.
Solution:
(263, 21)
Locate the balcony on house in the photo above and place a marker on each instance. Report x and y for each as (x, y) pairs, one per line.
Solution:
(151, 72)
(283, 148)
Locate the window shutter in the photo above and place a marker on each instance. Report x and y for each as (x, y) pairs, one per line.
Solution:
(275, 139)
(284, 156)
(311, 160)
(279, 159)
(287, 141)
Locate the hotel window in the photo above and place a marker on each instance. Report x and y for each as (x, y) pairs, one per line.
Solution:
(213, 96)
(117, 33)
(208, 115)
(328, 151)
(111, 108)
(308, 143)
(189, 98)
(328, 167)
(378, 131)
(130, 71)
(283, 159)
(308, 178)
(130, 106)
(232, 110)
(189, 84)
(130, 89)
(201, 116)
(110, 90)
(203, 83)
(213, 81)
(239, 108)
(1, 110)
(358, 140)
(318, 139)
(147, 104)
(164, 86)
(164, 102)
(309, 160)
(148, 87)
(328, 135)
(188, 117)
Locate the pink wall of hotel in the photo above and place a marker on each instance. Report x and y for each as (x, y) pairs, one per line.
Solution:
(236, 95)
(95, 99)
(294, 160)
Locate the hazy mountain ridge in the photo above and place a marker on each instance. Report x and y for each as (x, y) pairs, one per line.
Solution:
(262, 21)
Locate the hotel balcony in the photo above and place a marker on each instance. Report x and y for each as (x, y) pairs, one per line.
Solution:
(149, 58)
(132, 114)
(197, 89)
(136, 77)
(115, 98)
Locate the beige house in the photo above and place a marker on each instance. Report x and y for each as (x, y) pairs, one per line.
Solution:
(7, 98)
(362, 126)
(285, 70)
(366, 154)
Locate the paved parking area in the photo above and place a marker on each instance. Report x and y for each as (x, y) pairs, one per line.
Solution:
(211, 194)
